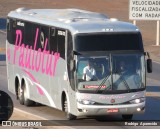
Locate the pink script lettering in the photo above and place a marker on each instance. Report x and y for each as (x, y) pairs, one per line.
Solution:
(32, 59)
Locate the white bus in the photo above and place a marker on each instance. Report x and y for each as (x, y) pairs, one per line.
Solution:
(48, 49)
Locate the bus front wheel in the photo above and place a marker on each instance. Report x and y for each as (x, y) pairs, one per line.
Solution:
(68, 115)
(127, 117)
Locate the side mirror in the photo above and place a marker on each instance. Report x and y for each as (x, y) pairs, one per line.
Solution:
(149, 65)
(72, 65)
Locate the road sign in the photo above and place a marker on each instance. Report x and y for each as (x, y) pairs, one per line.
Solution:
(144, 10)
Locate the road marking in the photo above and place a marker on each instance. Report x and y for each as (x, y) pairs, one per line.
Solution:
(42, 118)
(4, 32)
(2, 49)
(156, 62)
(153, 94)
(30, 114)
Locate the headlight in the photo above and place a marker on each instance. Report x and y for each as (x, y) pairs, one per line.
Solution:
(86, 102)
(136, 101)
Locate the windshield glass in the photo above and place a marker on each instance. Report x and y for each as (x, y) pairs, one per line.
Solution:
(117, 72)
(127, 72)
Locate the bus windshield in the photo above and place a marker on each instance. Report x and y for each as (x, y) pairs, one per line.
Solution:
(115, 72)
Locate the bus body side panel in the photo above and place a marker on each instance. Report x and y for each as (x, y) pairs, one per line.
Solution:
(58, 84)
(72, 101)
(41, 69)
(36, 81)
(10, 68)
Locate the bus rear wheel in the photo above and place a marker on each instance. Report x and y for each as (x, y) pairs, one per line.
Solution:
(27, 102)
(22, 93)
(68, 115)
(127, 117)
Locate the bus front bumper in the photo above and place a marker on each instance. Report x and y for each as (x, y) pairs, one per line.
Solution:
(95, 110)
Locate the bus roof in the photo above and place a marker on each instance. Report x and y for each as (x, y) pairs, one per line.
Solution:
(76, 20)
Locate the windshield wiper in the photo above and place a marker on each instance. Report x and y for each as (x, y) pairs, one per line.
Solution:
(100, 86)
(106, 78)
(124, 81)
(107, 88)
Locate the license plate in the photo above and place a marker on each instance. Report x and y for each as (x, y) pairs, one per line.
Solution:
(113, 110)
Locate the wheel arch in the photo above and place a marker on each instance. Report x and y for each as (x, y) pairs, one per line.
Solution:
(63, 96)
(62, 100)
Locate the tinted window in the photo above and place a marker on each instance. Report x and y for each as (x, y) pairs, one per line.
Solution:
(29, 34)
(57, 41)
(108, 42)
(61, 42)
(11, 31)
(53, 40)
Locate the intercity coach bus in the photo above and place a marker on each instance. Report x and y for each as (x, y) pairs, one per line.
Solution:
(48, 49)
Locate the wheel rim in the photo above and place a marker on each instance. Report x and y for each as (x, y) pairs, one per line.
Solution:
(19, 91)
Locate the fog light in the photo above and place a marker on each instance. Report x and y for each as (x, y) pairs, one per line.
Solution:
(138, 109)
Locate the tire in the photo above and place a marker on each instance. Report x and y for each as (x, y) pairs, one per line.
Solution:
(68, 115)
(27, 102)
(20, 95)
(127, 117)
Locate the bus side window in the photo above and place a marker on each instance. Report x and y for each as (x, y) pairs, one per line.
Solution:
(61, 42)
(11, 30)
(8, 25)
(29, 34)
(53, 40)
(43, 37)
(20, 25)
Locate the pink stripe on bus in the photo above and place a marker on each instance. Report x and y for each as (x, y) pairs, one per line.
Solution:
(33, 79)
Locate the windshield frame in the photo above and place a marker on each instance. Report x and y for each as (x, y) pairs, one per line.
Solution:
(141, 54)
